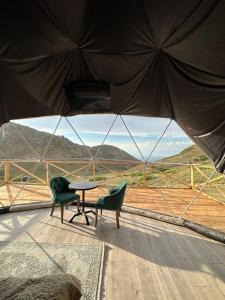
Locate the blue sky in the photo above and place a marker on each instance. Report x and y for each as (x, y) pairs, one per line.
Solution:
(93, 128)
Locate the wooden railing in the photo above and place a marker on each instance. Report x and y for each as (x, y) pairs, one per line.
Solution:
(157, 174)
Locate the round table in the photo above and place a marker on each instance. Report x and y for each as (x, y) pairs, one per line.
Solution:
(82, 186)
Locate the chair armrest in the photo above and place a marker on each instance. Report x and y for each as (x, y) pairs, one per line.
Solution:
(112, 190)
(108, 202)
(100, 201)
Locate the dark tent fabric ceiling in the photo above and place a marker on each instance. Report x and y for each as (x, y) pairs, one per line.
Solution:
(159, 58)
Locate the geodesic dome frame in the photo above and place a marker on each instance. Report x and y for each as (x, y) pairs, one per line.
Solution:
(138, 57)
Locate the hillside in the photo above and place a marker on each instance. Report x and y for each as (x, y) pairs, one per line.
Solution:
(14, 146)
(190, 154)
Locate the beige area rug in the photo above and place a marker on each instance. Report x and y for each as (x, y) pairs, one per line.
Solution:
(28, 259)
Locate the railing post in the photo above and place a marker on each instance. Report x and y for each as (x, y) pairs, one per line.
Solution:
(6, 173)
(144, 175)
(47, 173)
(192, 177)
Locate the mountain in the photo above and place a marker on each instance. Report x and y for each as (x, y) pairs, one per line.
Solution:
(190, 154)
(22, 142)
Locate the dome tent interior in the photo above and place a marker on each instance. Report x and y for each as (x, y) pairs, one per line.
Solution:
(145, 58)
(114, 60)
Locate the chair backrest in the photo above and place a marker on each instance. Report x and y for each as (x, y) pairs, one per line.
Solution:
(58, 186)
(115, 200)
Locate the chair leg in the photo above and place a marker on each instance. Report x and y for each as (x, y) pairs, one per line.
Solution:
(101, 211)
(62, 211)
(53, 207)
(119, 211)
(96, 217)
(117, 218)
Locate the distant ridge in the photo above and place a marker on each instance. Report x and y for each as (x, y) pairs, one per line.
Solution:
(190, 154)
(13, 146)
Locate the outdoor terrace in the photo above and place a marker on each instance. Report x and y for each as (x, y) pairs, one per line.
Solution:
(176, 190)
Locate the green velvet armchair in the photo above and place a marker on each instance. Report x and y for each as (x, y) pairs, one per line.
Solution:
(62, 195)
(113, 201)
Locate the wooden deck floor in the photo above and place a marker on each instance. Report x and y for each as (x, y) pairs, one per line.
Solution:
(205, 210)
(145, 259)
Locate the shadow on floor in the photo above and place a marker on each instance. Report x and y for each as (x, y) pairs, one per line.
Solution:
(157, 242)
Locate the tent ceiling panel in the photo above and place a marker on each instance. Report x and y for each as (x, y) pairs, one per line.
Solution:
(26, 33)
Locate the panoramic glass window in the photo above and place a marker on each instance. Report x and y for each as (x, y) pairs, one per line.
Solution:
(122, 132)
(164, 170)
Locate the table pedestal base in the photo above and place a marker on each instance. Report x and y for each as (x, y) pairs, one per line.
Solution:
(82, 213)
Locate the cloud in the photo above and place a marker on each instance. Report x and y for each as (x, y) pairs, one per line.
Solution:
(163, 149)
(100, 124)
